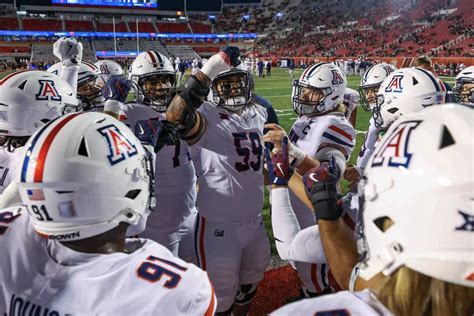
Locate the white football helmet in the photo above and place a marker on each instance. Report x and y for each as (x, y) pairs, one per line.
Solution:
(154, 80)
(418, 200)
(370, 83)
(464, 88)
(89, 86)
(404, 91)
(319, 90)
(83, 174)
(109, 68)
(29, 99)
(232, 89)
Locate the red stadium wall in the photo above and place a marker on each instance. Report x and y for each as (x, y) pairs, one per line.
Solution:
(399, 61)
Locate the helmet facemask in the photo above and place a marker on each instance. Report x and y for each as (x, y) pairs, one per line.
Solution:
(155, 89)
(368, 96)
(232, 90)
(464, 91)
(309, 100)
(89, 91)
(376, 111)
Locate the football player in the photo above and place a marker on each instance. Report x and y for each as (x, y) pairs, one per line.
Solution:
(153, 83)
(86, 79)
(28, 100)
(351, 98)
(321, 131)
(412, 269)
(109, 69)
(195, 66)
(369, 86)
(89, 86)
(464, 89)
(86, 183)
(224, 138)
(401, 86)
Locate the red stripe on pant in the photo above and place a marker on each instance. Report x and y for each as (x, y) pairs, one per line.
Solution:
(314, 277)
(201, 243)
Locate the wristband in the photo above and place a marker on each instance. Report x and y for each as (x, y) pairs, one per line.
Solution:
(215, 65)
(297, 154)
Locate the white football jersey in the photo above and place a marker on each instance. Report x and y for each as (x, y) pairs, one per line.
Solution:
(228, 159)
(10, 165)
(174, 169)
(341, 304)
(175, 183)
(369, 145)
(312, 133)
(41, 276)
(351, 99)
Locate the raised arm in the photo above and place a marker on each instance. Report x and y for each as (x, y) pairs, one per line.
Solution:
(189, 97)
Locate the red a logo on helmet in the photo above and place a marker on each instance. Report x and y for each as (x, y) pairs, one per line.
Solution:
(336, 77)
(393, 150)
(104, 69)
(395, 84)
(388, 70)
(48, 91)
(120, 147)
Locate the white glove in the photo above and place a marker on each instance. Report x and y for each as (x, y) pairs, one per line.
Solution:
(68, 50)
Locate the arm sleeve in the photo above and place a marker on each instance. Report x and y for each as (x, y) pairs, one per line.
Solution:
(10, 196)
(69, 74)
(368, 147)
(292, 243)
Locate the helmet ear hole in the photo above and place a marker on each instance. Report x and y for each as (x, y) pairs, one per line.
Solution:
(383, 223)
(22, 85)
(82, 150)
(132, 194)
(392, 110)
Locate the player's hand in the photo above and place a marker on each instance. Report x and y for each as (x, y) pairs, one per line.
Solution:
(279, 170)
(320, 182)
(231, 55)
(68, 50)
(157, 133)
(353, 175)
(325, 172)
(275, 135)
(222, 61)
(117, 88)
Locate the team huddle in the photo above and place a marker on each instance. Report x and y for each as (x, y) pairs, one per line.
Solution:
(154, 206)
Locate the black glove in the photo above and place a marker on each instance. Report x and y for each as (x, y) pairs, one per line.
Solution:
(117, 88)
(320, 182)
(193, 92)
(157, 133)
(233, 55)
